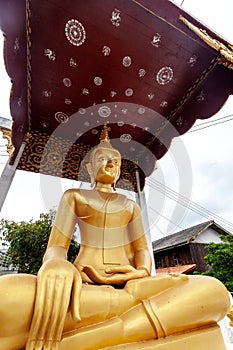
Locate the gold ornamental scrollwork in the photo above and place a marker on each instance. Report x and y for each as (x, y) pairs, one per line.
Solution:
(226, 52)
(6, 134)
(55, 156)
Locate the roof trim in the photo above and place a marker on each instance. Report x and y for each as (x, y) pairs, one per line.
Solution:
(176, 269)
(186, 236)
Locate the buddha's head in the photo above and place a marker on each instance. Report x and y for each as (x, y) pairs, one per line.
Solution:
(105, 162)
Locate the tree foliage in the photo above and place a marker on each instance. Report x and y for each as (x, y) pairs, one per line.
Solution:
(26, 242)
(220, 260)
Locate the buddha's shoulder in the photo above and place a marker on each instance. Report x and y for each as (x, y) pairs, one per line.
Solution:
(85, 196)
(76, 194)
(127, 202)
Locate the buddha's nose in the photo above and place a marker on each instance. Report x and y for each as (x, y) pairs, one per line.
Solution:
(109, 163)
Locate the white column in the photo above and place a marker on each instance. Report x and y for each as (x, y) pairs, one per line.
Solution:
(141, 201)
(7, 176)
(5, 122)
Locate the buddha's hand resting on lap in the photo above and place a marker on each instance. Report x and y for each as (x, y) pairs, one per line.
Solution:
(117, 275)
(56, 279)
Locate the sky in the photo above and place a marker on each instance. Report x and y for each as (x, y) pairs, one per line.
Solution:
(204, 184)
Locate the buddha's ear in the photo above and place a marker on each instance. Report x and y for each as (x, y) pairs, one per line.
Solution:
(91, 174)
(114, 185)
(115, 181)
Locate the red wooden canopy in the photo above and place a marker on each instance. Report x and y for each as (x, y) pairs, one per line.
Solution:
(135, 65)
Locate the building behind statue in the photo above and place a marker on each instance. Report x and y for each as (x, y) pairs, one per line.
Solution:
(184, 251)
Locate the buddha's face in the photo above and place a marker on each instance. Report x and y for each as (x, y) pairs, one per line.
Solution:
(106, 165)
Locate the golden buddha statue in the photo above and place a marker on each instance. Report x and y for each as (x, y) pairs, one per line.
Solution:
(107, 296)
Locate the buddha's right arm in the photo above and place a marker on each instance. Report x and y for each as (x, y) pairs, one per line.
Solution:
(55, 252)
(63, 227)
(57, 278)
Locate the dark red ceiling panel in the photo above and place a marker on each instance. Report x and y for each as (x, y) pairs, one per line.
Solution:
(76, 65)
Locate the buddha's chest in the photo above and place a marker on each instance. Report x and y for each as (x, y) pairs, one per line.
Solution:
(110, 211)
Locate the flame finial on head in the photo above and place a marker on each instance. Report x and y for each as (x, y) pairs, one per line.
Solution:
(104, 134)
(104, 138)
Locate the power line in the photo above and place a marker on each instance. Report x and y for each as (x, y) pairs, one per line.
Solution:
(180, 199)
(160, 230)
(184, 201)
(211, 123)
(165, 217)
(188, 203)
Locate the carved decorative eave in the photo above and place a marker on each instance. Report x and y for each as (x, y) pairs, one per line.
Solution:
(226, 52)
(6, 133)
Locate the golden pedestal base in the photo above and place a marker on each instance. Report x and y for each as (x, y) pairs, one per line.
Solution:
(202, 339)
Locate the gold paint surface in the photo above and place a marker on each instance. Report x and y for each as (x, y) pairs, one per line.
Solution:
(107, 297)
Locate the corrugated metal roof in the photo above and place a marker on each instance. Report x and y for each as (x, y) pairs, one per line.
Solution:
(186, 235)
(176, 269)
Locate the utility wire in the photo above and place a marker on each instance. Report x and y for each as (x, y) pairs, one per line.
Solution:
(160, 230)
(164, 217)
(211, 123)
(184, 201)
(188, 203)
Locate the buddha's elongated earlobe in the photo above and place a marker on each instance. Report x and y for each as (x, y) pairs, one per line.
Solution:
(115, 181)
(93, 182)
(91, 174)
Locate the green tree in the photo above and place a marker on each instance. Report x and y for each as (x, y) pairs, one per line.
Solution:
(220, 260)
(26, 242)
